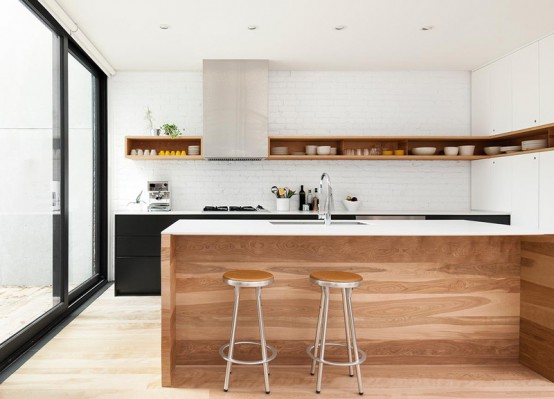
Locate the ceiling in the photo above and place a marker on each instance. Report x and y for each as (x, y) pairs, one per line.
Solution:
(301, 35)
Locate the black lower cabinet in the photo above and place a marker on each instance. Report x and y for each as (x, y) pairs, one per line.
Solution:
(137, 276)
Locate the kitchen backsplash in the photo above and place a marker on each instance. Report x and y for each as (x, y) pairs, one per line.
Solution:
(303, 103)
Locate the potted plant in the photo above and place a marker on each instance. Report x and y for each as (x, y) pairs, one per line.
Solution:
(171, 130)
(282, 197)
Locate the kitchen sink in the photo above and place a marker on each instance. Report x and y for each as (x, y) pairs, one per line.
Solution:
(321, 222)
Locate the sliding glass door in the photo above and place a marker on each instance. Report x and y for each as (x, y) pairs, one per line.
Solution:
(82, 143)
(53, 183)
(30, 170)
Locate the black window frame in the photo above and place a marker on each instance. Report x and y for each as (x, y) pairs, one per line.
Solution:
(23, 340)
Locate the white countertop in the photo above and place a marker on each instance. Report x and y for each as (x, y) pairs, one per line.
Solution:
(370, 228)
(360, 212)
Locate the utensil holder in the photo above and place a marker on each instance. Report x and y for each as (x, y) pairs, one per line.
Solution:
(283, 204)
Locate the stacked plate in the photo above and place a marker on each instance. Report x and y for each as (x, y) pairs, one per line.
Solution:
(194, 150)
(279, 150)
(533, 144)
(510, 148)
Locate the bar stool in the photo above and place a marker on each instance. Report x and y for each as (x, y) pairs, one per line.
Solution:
(346, 282)
(247, 279)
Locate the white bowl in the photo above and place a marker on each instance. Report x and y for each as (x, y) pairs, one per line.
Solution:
(466, 150)
(324, 150)
(351, 206)
(311, 149)
(492, 150)
(423, 150)
(450, 151)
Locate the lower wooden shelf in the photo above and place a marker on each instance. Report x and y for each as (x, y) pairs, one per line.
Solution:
(165, 157)
(374, 157)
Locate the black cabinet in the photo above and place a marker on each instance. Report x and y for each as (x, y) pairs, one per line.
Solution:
(137, 253)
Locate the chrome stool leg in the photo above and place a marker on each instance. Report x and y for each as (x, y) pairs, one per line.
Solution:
(323, 337)
(318, 331)
(354, 341)
(232, 341)
(347, 331)
(262, 338)
(346, 282)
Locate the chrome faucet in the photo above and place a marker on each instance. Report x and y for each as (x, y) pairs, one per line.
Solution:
(326, 206)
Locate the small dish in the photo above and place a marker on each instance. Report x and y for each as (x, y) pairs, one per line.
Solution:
(424, 151)
(311, 149)
(492, 150)
(324, 150)
(466, 150)
(451, 151)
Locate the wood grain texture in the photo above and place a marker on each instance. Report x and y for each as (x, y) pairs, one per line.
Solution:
(425, 300)
(112, 351)
(537, 304)
(168, 310)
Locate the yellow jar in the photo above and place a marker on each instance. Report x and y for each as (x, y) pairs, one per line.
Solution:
(161, 153)
(387, 152)
(398, 152)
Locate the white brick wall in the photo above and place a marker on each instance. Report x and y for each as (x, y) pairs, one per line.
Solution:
(304, 103)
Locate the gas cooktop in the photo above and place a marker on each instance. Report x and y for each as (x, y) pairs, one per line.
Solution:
(233, 208)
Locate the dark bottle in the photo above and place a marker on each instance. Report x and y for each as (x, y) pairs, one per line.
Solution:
(302, 196)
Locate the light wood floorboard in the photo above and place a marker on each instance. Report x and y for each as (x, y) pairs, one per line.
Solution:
(20, 305)
(112, 350)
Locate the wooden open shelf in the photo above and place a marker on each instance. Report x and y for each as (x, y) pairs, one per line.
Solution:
(407, 143)
(164, 143)
(343, 143)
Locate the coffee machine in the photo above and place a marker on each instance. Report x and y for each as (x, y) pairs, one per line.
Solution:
(159, 197)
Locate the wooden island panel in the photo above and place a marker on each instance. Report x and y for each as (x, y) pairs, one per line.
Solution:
(537, 304)
(425, 300)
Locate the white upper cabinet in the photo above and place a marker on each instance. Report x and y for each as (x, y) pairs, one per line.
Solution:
(491, 99)
(525, 87)
(481, 108)
(546, 192)
(546, 70)
(501, 96)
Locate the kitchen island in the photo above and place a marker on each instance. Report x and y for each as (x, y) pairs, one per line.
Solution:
(435, 292)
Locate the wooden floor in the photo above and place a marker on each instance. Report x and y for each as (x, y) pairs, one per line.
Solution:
(112, 350)
(20, 305)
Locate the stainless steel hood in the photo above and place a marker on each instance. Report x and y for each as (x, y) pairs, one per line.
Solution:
(235, 109)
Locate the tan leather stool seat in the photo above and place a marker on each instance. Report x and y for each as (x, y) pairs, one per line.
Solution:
(248, 278)
(332, 276)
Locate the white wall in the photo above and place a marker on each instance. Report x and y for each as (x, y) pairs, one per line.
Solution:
(303, 103)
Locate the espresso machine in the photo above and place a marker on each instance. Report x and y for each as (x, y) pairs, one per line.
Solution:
(159, 197)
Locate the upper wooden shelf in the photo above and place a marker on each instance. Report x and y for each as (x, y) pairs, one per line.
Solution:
(162, 143)
(408, 143)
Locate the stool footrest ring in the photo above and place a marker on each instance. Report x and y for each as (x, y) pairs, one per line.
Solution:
(248, 362)
(361, 355)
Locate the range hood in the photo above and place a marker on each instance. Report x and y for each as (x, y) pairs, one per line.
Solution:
(235, 109)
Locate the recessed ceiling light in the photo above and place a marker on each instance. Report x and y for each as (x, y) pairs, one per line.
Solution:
(427, 27)
(252, 27)
(164, 26)
(340, 27)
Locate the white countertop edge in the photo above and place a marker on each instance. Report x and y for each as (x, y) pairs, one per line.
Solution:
(357, 213)
(371, 228)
